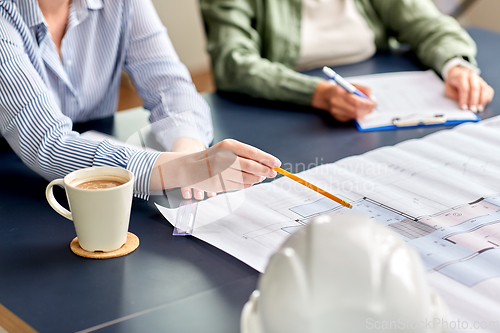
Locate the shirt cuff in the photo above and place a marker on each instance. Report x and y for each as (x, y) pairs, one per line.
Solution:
(140, 163)
(458, 61)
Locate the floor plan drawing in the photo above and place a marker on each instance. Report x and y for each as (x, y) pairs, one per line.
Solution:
(455, 242)
(441, 194)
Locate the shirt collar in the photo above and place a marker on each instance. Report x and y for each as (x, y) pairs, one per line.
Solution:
(30, 12)
(94, 4)
(32, 15)
(83, 6)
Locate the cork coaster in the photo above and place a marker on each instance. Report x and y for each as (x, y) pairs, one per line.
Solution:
(130, 245)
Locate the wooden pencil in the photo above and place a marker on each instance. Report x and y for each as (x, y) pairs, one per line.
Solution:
(313, 187)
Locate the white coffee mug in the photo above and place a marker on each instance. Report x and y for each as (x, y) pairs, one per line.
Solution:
(101, 216)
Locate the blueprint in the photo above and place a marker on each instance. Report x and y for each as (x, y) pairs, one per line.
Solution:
(440, 193)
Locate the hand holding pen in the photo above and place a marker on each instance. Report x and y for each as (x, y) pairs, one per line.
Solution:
(343, 100)
(343, 83)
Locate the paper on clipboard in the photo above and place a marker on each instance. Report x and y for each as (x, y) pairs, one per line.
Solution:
(412, 98)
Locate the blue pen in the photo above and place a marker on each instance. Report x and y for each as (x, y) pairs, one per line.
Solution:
(343, 83)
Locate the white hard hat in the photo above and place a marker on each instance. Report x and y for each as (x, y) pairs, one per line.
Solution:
(343, 273)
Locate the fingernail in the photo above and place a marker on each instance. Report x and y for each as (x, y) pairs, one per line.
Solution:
(473, 108)
(199, 195)
(262, 179)
(187, 195)
(464, 107)
(273, 174)
(277, 163)
(480, 108)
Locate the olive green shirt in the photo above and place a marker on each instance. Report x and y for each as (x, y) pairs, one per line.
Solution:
(254, 44)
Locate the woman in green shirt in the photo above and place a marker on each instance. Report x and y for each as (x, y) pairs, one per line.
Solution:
(256, 45)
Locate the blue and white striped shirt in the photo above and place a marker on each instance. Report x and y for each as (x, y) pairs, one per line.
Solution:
(42, 94)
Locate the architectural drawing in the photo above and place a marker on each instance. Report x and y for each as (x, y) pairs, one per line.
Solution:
(454, 242)
(440, 193)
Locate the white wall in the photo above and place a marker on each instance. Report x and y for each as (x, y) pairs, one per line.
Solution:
(484, 13)
(184, 24)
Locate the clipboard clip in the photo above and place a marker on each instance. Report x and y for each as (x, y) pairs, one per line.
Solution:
(417, 120)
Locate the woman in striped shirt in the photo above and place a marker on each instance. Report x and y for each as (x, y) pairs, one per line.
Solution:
(60, 63)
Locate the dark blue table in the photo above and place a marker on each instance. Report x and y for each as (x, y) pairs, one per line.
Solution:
(172, 284)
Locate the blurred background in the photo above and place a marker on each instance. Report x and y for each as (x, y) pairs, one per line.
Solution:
(184, 24)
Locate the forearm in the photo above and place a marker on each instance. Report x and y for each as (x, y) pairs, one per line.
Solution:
(237, 48)
(257, 77)
(162, 176)
(187, 145)
(181, 120)
(435, 38)
(163, 82)
(45, 143)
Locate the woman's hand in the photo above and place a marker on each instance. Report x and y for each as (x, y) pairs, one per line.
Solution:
(341, 104)
(189, 145)
(251, 165)
(468, 89)
(228, 165)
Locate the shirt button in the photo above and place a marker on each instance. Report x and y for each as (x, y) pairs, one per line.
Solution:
(73, 100)
(69, 62)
